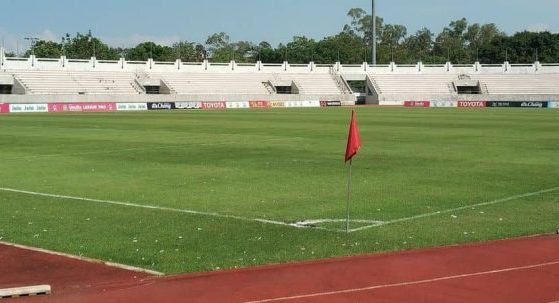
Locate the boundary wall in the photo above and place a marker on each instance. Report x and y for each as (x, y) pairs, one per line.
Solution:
(18, 108)
(481, 104)
(348, 99)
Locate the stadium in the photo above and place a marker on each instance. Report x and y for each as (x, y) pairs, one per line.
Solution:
(126, 180)
(42, 81)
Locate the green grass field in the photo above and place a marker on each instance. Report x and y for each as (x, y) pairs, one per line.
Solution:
(280, 165)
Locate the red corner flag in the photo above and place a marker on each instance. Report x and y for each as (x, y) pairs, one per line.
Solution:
(353, 139)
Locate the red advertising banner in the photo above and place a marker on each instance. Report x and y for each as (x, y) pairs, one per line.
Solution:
(259, 104)
(277, 104)
(82, 107)
(214, 105)
(417, 103)
(4, 108)
(472, 103)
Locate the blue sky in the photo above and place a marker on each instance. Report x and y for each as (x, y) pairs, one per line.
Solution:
(128, 22)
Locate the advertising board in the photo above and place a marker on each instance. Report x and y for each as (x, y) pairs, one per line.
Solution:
(391, 103)
(82, 107)
(531, 104)
(472, 104)
(259, 104)
(277, 104)
(417, 103)
(218, 105)
(4, 108)
(188, 105)
(312, 103)
(131, 106)
(330, 103)
(499, 104)
(28, 108)
(534, 104)
(553, 104)
(293, 104)
(526, 104)
(161, 105)
(237, 105)
(444, 104)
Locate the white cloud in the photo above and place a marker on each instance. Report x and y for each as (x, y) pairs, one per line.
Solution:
(538, 27)
(17, 43)
(10, 41)
(13, 42)
(135, 39)
(48, 35)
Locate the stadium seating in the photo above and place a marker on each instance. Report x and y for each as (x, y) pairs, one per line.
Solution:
(214, 83)
(122, 83)
(313, 84)
(76, 82)
(245, 83)
(519, 84)
(414, 84)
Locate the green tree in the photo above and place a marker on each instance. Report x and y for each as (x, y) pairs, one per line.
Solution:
(244, 51)
(147, 50)
(348, 47)
(189, 51)
(219, 47)
(460, 42)
(450, 43)
(358, 21)
(391, 43)
(46, 49)
(301, 50)
(479, 37)
(85, 46)
(417, 47)
(266, 53)
(523, 47)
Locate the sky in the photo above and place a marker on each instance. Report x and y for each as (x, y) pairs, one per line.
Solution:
(126, 23)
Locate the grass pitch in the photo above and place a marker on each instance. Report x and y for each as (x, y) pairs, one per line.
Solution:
(280, 165)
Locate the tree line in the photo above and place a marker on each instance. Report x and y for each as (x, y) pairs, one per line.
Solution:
(460, 42)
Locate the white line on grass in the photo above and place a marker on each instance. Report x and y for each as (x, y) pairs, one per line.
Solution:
(314, 222)
(526, 195)
(89, 260)
(280, 223)
(373, 287)
(161, 208)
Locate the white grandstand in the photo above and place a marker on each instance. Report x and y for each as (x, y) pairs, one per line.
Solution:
(64, 80)
(38, 82)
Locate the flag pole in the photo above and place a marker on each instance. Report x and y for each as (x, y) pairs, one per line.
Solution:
(348, 196)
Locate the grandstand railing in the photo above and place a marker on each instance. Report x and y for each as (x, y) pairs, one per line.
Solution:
(93, 64)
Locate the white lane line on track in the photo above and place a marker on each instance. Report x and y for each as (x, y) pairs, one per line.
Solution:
(426, 281)
(515, 197)
(89, 260)
(161, 208)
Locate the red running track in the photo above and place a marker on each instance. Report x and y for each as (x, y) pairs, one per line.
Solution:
(511, 271)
